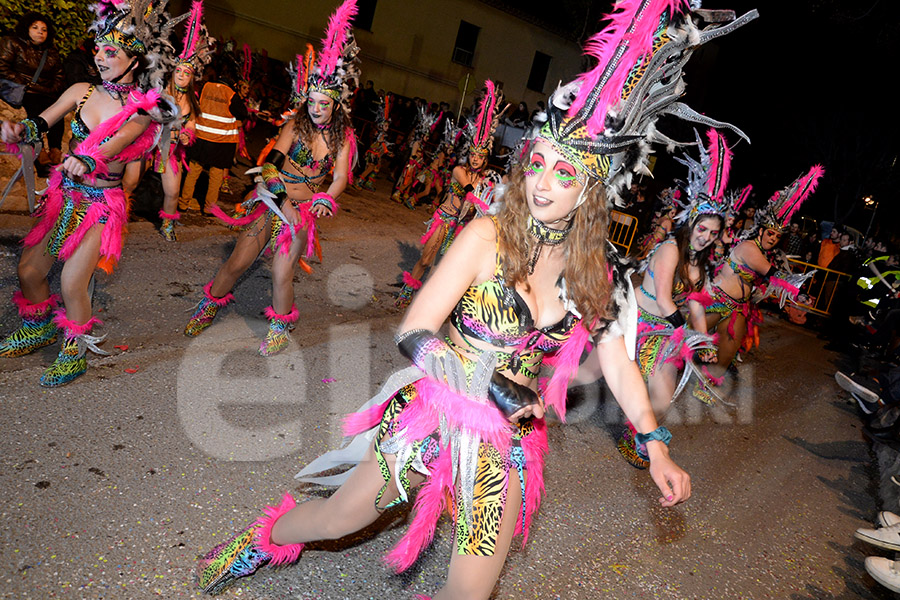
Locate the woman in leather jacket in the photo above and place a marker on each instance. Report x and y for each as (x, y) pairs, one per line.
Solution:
(20, 56)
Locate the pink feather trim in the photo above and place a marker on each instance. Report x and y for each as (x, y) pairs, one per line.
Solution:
(49, 209)
(358, 422)
(411, 281)
(702, 297)
(477, 202)
(434, 400)
(27, 310)
(281, 555)
(745, 193)
(333, 45)
(565, 363)
(630, 30)
(780, 283)
(805, 186)
(238, 221)
(191, 135)
(72, 328)
(174, 216)
(720, 166)
(430, 504)
(436, 222)
(291, 317)
(207, 291)
(535, 447)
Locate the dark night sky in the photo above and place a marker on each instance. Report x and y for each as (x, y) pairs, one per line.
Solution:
(808, 82)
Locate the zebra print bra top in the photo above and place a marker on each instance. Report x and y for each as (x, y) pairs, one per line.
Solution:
(497, 314)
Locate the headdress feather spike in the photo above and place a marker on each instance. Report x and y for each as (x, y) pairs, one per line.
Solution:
(627, 42)
(720, 166)
(192, 33)
(738, 202)
(785, 203)
(335, 37)
(247, 65)
(707, 179)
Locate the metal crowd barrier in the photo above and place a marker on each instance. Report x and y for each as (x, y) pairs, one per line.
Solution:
(821, 288)
(622, 229)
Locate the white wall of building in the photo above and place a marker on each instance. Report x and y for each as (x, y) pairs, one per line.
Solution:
(409, 49)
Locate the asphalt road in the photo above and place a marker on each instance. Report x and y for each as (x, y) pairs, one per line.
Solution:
(112, 485)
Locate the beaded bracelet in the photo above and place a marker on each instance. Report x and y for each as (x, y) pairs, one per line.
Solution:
(87, 161)
(323, 199)
(660, 434)
(33, 133)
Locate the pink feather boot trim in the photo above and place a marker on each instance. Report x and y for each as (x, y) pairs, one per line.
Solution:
(247, 551)
(206, 311)
(278, 335)
(37, 330)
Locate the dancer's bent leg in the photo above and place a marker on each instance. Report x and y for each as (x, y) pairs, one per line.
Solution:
(248, 246)
(474, 577)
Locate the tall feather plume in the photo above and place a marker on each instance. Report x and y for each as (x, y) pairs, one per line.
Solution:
(333, 45)
(741, 199)
(797, 193)
(485, 115)
(720, 166)
(192, 34)
(247, 65)
(618, 48)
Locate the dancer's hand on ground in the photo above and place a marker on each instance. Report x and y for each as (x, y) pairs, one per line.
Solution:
(672, 480)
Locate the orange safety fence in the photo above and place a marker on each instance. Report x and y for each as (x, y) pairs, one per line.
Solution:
(622, 229)
(821, 288)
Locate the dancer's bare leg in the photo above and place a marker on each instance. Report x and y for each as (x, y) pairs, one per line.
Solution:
(283, 268)
(349, 509)
(248, 246)
(34, 265)
(661, 386)
(429, 253)
(76, 276)
(728, 345)
(171, 182)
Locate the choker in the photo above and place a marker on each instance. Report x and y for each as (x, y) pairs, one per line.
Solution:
(544, 236)
(179, 89)
(323, 126)
(119, 90)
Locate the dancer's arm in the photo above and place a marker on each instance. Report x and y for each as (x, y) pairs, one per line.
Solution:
(624, 380)
(12, 132)
(665, 263)
(338, 181)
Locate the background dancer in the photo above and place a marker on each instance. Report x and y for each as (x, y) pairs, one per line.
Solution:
(287, 199)
(83, 215)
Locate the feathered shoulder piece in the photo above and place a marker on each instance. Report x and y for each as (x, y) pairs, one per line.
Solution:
(707, 179)
(334, 72)
(782, 205)
(604, 121)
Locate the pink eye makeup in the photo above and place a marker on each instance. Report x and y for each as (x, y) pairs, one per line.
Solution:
(565, 175)
(535, 165)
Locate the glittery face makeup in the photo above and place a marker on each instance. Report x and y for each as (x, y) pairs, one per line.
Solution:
(552, 186)
(111, 62)
(705, 231)
(320, 108)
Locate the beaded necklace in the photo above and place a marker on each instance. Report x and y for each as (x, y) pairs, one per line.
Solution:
(119, 91)
(544, 236)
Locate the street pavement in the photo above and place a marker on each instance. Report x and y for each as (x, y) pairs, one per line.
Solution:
(112, 485)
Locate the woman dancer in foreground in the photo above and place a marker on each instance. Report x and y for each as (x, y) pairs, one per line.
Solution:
(537, 282)
(83, 215)
(318, 138)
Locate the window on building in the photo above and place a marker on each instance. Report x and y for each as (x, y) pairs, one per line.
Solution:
(466, 39)
(538, 75)
(365, 14)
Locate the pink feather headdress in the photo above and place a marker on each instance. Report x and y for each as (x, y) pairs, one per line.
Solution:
(782, 205)
(335, 73)
(604, 121)
(197, 46)
(482, 129)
